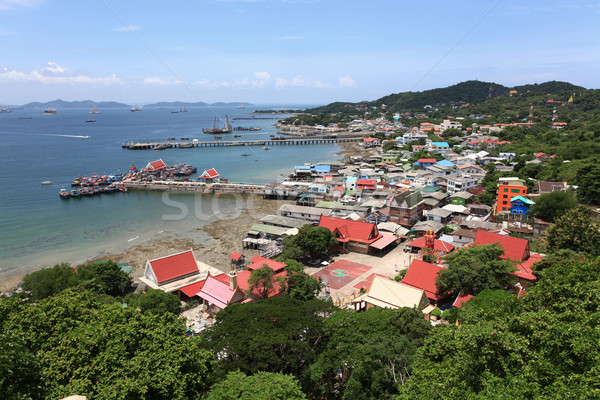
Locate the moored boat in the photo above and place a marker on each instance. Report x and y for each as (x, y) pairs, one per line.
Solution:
(64, 194)
(160, 147)
(245, 154)
(75, 194)
(47, 183)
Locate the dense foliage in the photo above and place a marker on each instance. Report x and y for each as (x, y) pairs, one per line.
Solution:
(104, 278)
(575, 231)
(544, 345)
(473, 269)
(106, 351)
(260, 386)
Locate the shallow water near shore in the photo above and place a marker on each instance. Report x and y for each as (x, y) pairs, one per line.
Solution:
(40, 229)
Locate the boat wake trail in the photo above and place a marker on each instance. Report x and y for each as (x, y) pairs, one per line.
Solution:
(48, 134)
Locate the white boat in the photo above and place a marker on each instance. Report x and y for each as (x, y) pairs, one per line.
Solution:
(50, 110)
(47, 183)
(266, 148)
(94, 110)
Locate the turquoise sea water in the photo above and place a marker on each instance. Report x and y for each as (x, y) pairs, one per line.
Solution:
(39, 229)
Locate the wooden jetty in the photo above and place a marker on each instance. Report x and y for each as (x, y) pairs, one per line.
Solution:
(261, 142)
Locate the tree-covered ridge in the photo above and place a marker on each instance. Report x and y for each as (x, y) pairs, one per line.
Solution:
(460, 93)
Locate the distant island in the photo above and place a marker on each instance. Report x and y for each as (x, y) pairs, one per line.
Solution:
(114, 104)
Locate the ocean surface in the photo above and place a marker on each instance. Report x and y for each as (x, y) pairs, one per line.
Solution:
(39, 229)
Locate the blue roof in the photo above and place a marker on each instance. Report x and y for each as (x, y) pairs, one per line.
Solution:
(523, 199)
(304, 167)
(322, 168)
(440, 144)
(351, 179)
(445, 163)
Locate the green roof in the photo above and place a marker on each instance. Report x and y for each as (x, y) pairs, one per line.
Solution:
(269, 229)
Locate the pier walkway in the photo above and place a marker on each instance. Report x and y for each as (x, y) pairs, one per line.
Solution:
(267, 191)
(260, 142)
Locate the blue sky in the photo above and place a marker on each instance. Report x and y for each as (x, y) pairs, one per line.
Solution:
(287, 51)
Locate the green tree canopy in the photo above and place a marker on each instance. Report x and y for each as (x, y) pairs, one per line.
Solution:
(368, 354)
(264, 282)
(314, 240)
(550, 206)
(588, 179)
(575, 231)
(155, 301)
(474, 269)
(260, 386)
(104, 278)
(107, 351)
(279, 334)
(300, 285)
(46, 282)
(19, 371)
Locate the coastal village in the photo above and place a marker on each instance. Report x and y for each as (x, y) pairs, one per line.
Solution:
(394, 216)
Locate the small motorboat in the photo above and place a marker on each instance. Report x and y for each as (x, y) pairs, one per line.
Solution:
(90, 120)
(64, 194)
(245, 154)
(237, 135)
(47, 183)
(185, 138)
(171, 138)
(266, 148)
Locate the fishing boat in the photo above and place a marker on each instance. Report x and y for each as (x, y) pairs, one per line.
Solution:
(47, 183)
(171, 138)
(50, 111)
(266, 148)
(216, 130)
(185, 138)
(186, 145)
(245, 154)
(94, 110)
(63, 194)
(237, 135)
(75, 194)
(90, 120)
(160, 147)
(218, 137)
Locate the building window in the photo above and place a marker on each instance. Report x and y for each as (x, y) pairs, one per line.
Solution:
(515, 190)
(504, 202)
(506, 189)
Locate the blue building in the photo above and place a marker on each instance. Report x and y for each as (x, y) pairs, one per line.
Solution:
(520, 205)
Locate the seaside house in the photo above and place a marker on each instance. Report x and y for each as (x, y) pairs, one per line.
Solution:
(386, 293)
(210, 175)
(357, 236)
(507, 189)
(407, 208)
(301, 212)
(173, 272)
(155, 166)
(423, 275)
(548, 187)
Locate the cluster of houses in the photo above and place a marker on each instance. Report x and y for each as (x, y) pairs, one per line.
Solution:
(372, 205)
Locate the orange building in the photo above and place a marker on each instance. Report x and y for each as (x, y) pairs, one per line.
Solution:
(507, 189)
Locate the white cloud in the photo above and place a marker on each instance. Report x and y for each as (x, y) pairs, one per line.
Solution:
(52, 73)
(300, 81)
(127, 28)
(11, 4)
(156, 81)
(347, 82)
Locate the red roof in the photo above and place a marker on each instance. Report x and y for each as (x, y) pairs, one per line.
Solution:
(174, 266)
(438, 245)
(259, 262)
(211, 173)
(156, 165)
(193, 289)
(366, 283)
(219, 293)
(370, 139)
(514, 248)
(422, 275)
(235, 256)
(524, 270)
(461, 300)
(350, 231)
(339, 188)
(242, 281)
(366, 182)
(427, 160)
